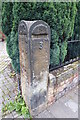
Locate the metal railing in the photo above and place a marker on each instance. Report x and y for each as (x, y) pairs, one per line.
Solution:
(73, 54)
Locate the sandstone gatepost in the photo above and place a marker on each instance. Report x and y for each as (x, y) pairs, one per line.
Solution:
(41, 87)
(34, 47)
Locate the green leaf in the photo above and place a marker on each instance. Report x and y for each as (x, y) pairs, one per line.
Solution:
(18, 106)
(23, 110)
(11, 107)
(22, 103)
(5, 108)
(26, 115)
(19, 112)
(30, 117)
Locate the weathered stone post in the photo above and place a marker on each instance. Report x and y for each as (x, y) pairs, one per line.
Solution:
(34, 48)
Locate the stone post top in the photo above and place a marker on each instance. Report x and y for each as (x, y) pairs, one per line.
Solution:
(29, 26)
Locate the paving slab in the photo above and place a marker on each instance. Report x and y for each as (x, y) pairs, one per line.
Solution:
(15, 115)
(69, 96)
(9, 115)
(59, 110)
(45, 114)
(72, 105)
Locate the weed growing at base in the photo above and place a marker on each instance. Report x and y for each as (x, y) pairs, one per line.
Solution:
(19, 106)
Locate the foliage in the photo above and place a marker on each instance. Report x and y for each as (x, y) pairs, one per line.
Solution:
(0, 15)
(74, 48)
(63, 50)
(12, 74)
(76, 34)
(60, 17)
(13, 50)
(54, 55)
(19, 106)
(7, 17)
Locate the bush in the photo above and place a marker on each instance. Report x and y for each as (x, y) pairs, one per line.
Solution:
(60, 17)
(7, 17)
(76, 33)
(13, 50)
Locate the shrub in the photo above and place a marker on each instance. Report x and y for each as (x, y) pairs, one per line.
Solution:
(7, 17)
(60, 17)
(76, 33)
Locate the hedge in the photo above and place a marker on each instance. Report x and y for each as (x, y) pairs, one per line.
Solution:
(60, 17)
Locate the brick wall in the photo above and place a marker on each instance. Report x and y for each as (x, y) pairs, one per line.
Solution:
(62, 81)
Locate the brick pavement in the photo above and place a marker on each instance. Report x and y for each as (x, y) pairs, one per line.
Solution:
(8, 84)
(4, 58)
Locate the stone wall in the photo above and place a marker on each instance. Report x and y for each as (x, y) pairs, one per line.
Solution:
(62, 81)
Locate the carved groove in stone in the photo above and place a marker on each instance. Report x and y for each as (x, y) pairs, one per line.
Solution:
(40, 30)
(22, 28)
